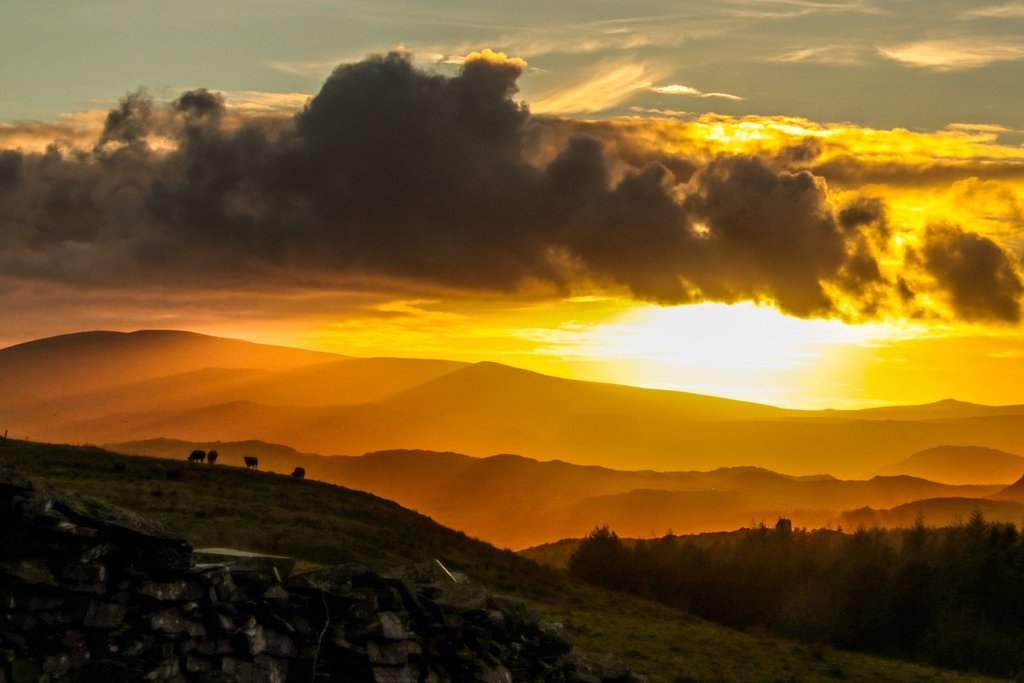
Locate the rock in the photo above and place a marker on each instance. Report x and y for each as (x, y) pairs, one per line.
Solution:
(104, 615)
(25, 671)
(33, 572)
(275, 592)
(56, 665)
(388, 674)
(554, 640)
(337, 580)
(280, 645)
(393, 654)
(589, 668)
(12, 483)
(195, 664)
(171, 591)
(168, 621)
(392, 627)
(166, 671)
(241, 560)
(493, 674)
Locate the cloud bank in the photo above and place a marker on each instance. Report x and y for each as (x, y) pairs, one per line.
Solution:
(394, 177)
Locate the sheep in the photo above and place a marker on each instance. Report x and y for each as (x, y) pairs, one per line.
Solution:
(197, 456)
(251, 462)
(211, 457)
(299, 473)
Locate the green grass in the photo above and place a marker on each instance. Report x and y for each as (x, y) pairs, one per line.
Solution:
(321, 524)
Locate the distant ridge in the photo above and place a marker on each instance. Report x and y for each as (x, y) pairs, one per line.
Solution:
(960, 465)
(1013, 493)
(110, 387)
(87, 361)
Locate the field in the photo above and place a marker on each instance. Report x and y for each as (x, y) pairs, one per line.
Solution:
(321, 524)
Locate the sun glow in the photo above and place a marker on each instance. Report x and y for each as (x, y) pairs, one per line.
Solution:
(743, 351)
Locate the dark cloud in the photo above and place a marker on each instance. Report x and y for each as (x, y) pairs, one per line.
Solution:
(981, 278)
(852, 171)
(439, 183)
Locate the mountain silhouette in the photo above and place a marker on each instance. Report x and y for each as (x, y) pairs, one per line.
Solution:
(960, 465)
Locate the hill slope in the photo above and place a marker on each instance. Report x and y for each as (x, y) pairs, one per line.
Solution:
(320, 523)
(960, 465)
(103, 387)
(89, 361)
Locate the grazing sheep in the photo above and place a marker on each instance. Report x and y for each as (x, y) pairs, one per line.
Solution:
(197, 456)
(299, 473)
(251, 462)
(211, 457)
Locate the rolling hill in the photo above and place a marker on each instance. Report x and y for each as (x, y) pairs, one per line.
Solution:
(110, 387)
(960, 465)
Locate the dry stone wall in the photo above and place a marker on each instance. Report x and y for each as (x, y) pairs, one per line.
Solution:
(90, 593)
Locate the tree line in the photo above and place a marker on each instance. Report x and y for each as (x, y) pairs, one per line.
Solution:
(951, 596)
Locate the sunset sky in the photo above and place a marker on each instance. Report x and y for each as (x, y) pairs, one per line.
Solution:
(809, 203)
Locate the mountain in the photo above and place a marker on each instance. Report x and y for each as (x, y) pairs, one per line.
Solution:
(1013, 493)
(946, 409)
(933, 512)
(111, 387)
(960, 465)
(90, 361)
(514, 501)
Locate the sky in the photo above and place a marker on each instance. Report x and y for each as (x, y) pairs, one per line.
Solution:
(810, 203)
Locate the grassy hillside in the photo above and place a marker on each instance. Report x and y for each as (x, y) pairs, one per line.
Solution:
(320, 523)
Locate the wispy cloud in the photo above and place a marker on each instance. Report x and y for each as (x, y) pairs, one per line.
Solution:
(824, 54)
(256, 101)
(1009, 10)
(979, 128)
(953, 54)
(678, 89)
(603, 89)
(670, 113)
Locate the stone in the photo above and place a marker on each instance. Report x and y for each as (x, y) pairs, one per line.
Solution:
(57, 665)
(171, 591)
(257, 641)
(25, 671)
(280, 645)
(388, 674)
(104, 615)
(240, 560)
(337, 580)
(76, 530)
(195, 629)
(33, 572)
(195, 664)
(165, 671)
(12, 483)
(168, 621)
(392, 627)
(392, 654)
(554, 640)
(275, 592)
(493, 674)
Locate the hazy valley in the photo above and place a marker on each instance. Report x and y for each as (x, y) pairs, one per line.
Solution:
(575, 454)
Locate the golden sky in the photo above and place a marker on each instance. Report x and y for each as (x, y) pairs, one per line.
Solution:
(426, 212)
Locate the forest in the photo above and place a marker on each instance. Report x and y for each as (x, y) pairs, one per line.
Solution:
(952, 596)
